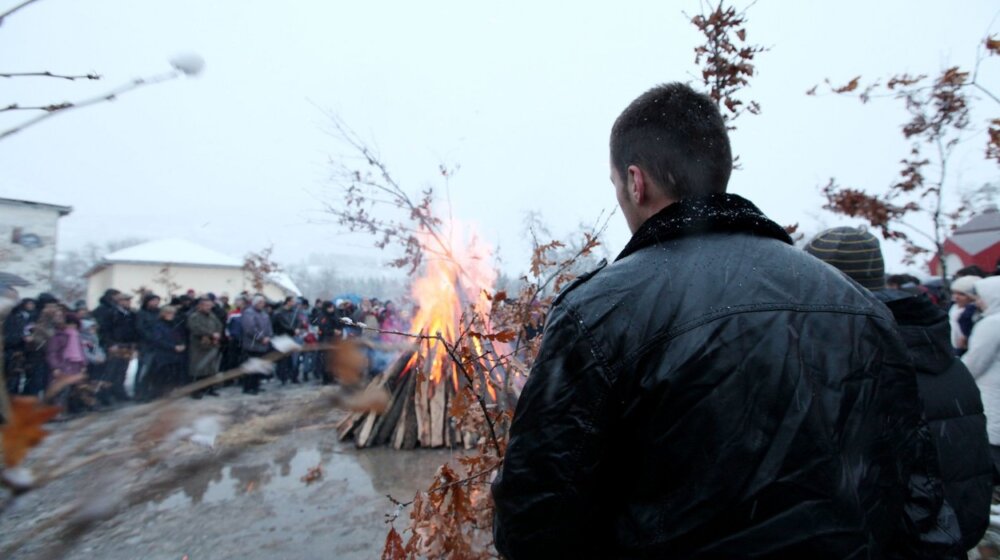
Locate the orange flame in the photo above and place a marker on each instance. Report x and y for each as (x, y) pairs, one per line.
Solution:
(444, 292)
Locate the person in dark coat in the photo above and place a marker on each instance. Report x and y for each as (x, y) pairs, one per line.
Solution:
(121, 345)
(16, 327)
(104, 313)
(169, 356)
(256, 339)
(145, 325)
(713, 393)
(233, 352)
(285, 323)
(951, 403)
(205, 332)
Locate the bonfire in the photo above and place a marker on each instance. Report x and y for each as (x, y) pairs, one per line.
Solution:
(448, 365)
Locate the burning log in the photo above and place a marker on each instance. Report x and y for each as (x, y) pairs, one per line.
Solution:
(423, 383)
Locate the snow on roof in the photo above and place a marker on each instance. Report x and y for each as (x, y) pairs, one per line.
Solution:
(284, 281)
(173, 251)
(979, 233)
(63, 210)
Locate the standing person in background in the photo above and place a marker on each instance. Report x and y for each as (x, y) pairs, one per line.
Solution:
(104, 315)
(303, 362)
(233, 354)
(256, 339)
(121, 346)
(983, 358)
(169, 351)
(205, 335)
(284, 323)
(963, 313)
(65, 357)
(43, 328)
(951, 401)
(92, 349)
(145, 325)
(15, 337)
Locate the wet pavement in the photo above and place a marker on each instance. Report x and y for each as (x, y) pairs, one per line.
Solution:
(254, 505)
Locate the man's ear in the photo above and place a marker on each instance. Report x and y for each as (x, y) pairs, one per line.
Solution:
(637, 185)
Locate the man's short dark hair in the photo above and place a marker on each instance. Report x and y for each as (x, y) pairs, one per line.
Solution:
(678, 137)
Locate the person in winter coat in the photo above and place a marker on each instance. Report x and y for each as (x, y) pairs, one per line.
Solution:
(233, 352)
(285, 323)
(118, 333)
(205, 332)
(948, 393)
(145, 326)
(983, 358)
(44, 326)
(104, 313)
(713, 393)
(16, 334)
(65, 356)
(167, 369)
(256, 337)
(963, 313)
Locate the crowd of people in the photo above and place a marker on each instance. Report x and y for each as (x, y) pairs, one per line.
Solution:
(80, 358)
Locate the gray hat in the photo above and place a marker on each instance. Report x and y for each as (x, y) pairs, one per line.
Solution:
(854, 251)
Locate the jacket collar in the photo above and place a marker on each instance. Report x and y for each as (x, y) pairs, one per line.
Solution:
(716, 213)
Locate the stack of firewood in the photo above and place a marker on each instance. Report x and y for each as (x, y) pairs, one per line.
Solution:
(418, 413)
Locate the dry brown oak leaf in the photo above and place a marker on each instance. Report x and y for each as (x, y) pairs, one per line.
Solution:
(24, 430)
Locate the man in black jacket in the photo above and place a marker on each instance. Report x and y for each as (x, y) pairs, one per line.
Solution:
(713, 393)
(118, 334)
(285, 323)
(951, 402)
(146, 320)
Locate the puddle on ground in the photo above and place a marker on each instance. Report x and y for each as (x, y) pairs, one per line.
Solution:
(363, 473)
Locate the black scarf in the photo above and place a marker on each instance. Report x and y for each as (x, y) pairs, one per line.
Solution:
(716, 213)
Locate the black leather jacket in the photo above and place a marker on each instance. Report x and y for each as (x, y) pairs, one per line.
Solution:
(716, 393)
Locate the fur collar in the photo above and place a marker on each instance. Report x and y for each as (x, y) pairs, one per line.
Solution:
(717, 213)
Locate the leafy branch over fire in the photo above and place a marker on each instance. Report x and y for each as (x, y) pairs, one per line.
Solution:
(940, 119)
(490, 338)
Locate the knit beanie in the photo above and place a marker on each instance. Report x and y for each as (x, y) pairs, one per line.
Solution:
(854, 251)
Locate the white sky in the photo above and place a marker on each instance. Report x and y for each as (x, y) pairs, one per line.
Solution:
(521, 95)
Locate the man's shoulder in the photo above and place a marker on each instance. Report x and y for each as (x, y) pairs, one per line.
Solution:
(686, 279)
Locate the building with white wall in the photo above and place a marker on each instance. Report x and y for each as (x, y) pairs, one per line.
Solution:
(174, 266)
(28, 237)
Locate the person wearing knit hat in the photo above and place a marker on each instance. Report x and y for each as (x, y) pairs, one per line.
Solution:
(854, 251)
(951, 402)
(964, 313)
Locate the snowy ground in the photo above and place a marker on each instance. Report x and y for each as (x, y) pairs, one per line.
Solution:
(251, 505)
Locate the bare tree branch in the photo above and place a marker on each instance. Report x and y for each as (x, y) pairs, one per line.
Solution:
(46, 74)
(109, 96)
(15, 8)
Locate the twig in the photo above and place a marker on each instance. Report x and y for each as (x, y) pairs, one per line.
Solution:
(15, 8)
(109, 96)
(443, 487)
(482, 403)
(70, 77)
(47, 108)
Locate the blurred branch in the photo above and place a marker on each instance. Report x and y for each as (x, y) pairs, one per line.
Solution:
(46, 108)
(109, 96)
(15, 8)
(90, 76)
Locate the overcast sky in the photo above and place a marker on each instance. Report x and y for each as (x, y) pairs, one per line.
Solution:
(520, 94)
